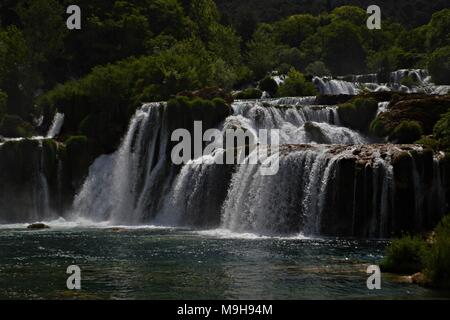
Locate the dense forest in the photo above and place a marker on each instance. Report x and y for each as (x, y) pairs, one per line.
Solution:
(128, 52)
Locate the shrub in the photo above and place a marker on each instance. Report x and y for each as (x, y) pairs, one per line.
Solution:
(407, 132)
(429, 142)
(14, 126)
(441, 131)
(317, 68)
(250, 93)
(358, 113)
(437, 261)
(439, 66)
(404, 255)
(296, 85)
(269, 85)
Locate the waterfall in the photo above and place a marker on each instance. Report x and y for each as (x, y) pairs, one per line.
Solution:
(331, 181)
(41, 194)
(56, 126)
(129, 176)
(329, 86)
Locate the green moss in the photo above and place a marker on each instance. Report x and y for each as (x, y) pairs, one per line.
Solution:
(407, 132)
(405, 255)
(358, 113)
(409, 81)
(15, 126)
(429, 142)
(250, 93)
(442, 131)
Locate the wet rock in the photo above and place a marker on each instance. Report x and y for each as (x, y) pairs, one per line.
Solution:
(38, 226)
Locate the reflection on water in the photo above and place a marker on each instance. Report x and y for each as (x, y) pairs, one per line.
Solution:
(156, 263)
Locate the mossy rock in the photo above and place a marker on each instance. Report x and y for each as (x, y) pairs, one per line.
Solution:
(358, 113)
(250, 93)
(423, 109)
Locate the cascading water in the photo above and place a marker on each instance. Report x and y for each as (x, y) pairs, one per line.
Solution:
(330, 180)
(352, 85)
(130, 175)
(56, 126)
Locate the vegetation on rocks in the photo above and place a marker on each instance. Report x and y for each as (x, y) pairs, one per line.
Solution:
(431, 256)
(358, 113)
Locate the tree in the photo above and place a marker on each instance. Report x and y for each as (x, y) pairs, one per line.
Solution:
(439, 65)
(293, 30)
(343, 50)
(296, 85)
(263, 51)
(438, 34)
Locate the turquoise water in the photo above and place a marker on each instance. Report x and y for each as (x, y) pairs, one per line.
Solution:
(156, 263)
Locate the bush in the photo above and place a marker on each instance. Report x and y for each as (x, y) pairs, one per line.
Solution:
(358, 113)
(405, 255)
(317, 68)
(407, 132)
(13, 126)
(439, 66)
(441, 131)
(296, 85)
(429, 142)
(250, 93)
(269, 85)
(437, 260)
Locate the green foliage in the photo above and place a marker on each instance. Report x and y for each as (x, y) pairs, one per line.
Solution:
(437, 260)
(429, 142)
(405, 255)
(262, 54)
(317, 68)
(249, 93)
(438, 33)
(439, 65)
(296, 85)
(441, 131)
(269, 85)
(343, 49)
(407, 132)
(358, 113)
(14, 126)
(409, 81)
(293, 30)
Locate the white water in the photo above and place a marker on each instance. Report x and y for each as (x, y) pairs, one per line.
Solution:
(56, 126)
(353, 85)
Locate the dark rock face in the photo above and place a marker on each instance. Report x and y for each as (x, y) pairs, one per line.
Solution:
(333, 99)
(33, 180)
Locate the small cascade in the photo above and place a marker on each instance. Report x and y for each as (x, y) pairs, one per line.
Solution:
(352, 85)
(55, 128)
(330, 86)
